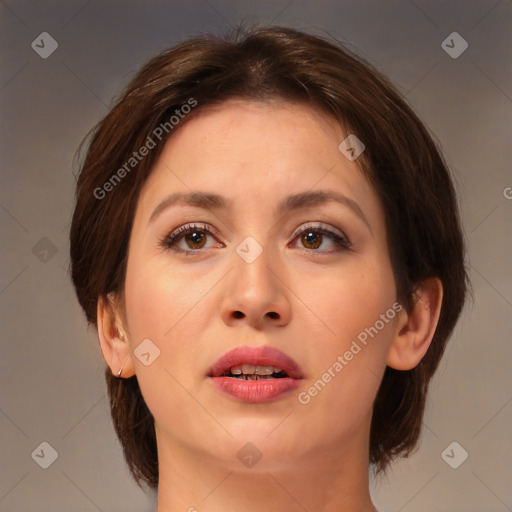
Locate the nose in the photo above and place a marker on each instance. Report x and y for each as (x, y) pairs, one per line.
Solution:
(256, 293)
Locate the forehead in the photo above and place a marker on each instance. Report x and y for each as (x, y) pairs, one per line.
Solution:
(255, 153)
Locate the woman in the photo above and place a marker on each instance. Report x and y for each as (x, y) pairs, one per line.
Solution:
(268, 243)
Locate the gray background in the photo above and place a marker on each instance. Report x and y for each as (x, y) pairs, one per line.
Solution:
(51, 369)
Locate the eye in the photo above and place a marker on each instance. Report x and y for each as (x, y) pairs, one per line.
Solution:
(193, 235)
(314, 236)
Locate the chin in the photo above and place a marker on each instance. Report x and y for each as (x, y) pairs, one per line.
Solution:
(256, 455)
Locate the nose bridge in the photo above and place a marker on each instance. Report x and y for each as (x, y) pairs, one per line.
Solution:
(255, 291)
(253, 268)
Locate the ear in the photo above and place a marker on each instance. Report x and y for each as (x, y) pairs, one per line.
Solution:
(113, 339)
(415, 329)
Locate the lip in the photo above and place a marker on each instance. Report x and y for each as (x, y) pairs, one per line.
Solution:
(255, 391)
(264, 355)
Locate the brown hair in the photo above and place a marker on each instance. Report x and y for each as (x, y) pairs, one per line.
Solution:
(400, 160)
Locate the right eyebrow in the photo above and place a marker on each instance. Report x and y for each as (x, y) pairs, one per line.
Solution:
(211, 201)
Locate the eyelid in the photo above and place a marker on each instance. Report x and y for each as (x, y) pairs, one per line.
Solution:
(171, 240)
(338, 237)
(177, 234)
(315, 225)
(191, 226)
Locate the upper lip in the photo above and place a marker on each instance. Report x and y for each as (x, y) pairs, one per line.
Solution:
(264, 355)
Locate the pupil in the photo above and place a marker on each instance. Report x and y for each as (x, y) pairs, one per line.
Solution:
(195, 237)
(311, 238)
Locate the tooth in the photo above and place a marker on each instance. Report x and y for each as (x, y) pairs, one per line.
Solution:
(264, 370)
(248, 369)
(277, 370)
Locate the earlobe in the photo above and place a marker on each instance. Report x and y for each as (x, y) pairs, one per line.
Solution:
(415, 329)
(113, 340)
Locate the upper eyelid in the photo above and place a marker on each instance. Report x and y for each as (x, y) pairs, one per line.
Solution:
(317, 225)
(180, 231)
(183, 230)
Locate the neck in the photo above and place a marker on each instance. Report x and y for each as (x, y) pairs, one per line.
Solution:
(331, 479)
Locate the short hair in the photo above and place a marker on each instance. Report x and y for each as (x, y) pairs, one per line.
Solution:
(400, 160)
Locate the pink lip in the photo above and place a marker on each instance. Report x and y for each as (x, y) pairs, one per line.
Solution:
(263, 355)
(255, 391)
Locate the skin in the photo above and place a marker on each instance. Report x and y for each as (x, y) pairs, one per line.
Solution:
(314, 455)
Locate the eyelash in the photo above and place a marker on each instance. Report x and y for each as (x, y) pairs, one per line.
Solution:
(342, 242)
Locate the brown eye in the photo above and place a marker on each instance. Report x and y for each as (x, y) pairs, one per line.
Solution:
(311, 239)
(193, 236)
(314, 237)
(197, 239)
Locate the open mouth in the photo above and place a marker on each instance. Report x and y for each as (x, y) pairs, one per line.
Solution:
(252, 372)
(255, 375)
(256, 363)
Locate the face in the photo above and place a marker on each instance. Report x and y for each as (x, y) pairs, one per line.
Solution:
(313, 280)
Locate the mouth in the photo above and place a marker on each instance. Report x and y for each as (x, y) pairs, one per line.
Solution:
(256, 363)
(252, 372)
(255, 374)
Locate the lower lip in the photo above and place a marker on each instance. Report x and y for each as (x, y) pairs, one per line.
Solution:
(255, 391)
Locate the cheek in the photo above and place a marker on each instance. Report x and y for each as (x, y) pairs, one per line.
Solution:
(340, 393)
(349, 358)
(171, 309)
(348, 301)
(158, 300)
(164, 310)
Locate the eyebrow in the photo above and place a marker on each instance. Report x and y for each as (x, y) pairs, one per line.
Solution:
(209, 201)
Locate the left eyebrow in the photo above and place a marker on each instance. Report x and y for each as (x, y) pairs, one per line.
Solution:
(317, 198)
(209, 201)
(203, 200)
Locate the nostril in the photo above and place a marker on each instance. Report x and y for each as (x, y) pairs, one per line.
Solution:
(273, 314)
(238, 314)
